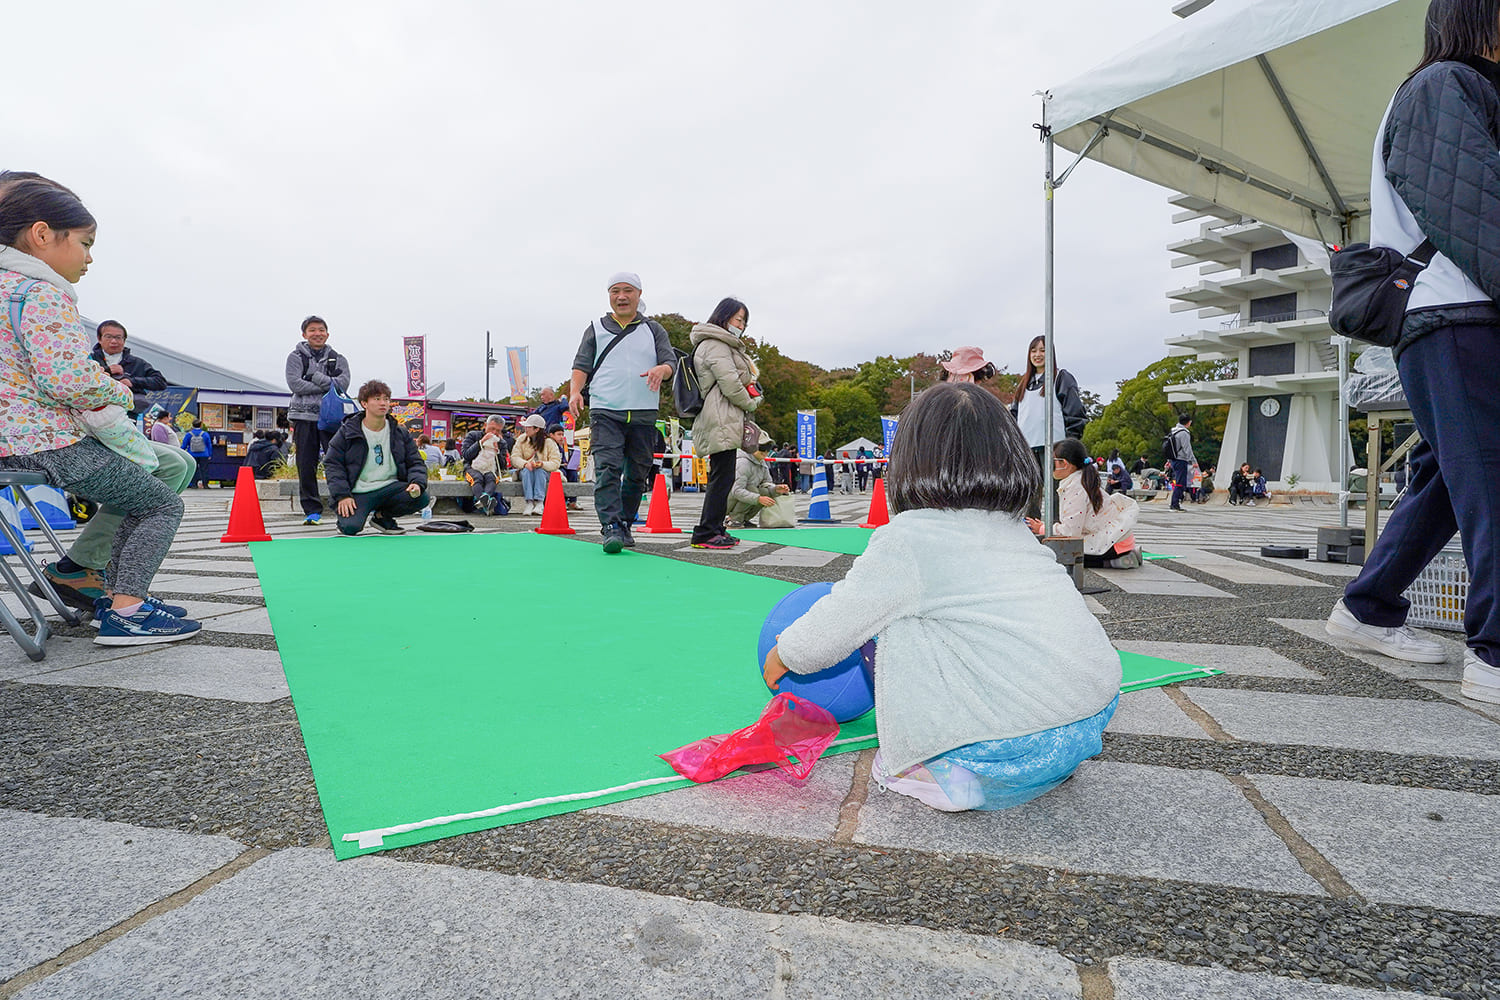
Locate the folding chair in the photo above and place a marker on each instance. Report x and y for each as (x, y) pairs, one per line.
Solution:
(32, 642)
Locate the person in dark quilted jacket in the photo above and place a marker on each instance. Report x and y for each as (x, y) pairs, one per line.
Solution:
(1436, 175)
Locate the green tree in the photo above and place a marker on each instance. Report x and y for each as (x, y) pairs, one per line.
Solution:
(853, 409)
(788, 386)
(1140, 415)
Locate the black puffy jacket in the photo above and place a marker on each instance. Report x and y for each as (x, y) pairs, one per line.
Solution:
(346, 454)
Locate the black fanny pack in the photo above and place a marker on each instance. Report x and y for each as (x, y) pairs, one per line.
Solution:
(1371, 286)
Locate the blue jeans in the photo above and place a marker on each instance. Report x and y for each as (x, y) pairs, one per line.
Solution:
(1179, 478)
(1448, 376)
(534, 483)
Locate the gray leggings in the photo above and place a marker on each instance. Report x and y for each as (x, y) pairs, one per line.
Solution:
(152, 510)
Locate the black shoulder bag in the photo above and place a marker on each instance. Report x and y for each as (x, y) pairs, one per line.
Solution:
(1371, 286)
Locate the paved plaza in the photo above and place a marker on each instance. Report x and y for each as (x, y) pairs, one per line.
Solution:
(1314, 823)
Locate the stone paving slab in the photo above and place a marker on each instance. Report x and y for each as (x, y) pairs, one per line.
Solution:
(188, 667)
(372, 927)
(69, 879)
(205, 585)
(1385, 725)
(1252, 661)
(1149, 979)
(1150, 579)
(1412, 846)
(767, 802)
(1451, 689)
(1234, 570)
(1136, 820)
(1451, 670)
(63, 652)
(1152, 713)
(250, 621)
(790, 556)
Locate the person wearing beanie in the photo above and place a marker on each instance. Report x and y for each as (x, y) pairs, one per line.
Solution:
(621, 363)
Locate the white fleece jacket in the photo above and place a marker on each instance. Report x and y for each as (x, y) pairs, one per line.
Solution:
(982, 634)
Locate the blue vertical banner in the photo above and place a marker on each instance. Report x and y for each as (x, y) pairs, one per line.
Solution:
(518, 360)
(807, 433)
(888, 431)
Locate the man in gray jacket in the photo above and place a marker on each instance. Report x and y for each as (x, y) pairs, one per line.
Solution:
(1181, 438)
(623, 359)
(310, 369)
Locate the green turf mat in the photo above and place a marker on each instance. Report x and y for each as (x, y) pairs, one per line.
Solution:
(1152, 556)
(1141, 671)
(850, 541)
(445, 677)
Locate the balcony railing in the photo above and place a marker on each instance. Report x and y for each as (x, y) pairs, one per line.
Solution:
(1234, 322)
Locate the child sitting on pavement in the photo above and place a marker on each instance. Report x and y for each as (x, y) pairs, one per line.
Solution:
(993, 682)
(375, 470)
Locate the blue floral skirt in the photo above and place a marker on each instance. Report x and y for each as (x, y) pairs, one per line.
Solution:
(1017, 770)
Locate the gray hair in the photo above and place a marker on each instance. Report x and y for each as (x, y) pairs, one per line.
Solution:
(494, 418)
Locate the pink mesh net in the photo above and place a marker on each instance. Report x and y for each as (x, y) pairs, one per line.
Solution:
(791, 733)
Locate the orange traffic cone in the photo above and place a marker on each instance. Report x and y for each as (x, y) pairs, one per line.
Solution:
(659, 514)
(555, 510)
(878, 514)
(245, 522)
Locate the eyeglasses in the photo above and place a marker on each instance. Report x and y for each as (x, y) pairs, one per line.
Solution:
(379, 455)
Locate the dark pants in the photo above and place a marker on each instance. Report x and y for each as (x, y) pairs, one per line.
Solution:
(390, 499)
(862, 477)
(200, 477)
(622, 466)
(1179, 481)
(1449, 377)
(309, 443)
(716, 495)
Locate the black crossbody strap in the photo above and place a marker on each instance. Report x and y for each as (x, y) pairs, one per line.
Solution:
(599, 361)
(1424, 253)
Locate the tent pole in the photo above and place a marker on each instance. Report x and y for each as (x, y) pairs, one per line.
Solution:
(1048, 381)
(1343, 470)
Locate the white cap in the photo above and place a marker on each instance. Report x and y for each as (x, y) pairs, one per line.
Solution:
(625, 278)
(535, 420)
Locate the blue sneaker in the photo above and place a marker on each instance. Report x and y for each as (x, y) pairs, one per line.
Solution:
(101, 605)
(312, 519)
(148, 625)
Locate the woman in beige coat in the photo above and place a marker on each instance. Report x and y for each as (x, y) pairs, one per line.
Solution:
(727, 377)
(537, 456)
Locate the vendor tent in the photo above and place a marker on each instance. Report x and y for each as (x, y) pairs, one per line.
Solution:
(1267, 108)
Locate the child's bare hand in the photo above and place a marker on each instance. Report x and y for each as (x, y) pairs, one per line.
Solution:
(774, 669)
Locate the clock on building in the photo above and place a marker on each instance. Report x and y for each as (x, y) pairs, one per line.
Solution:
(1270, 406)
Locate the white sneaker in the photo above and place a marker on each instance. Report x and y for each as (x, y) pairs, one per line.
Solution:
(1252, 503)
(1481, 681)
(1401, 643)
(530, 506)
(919, 783)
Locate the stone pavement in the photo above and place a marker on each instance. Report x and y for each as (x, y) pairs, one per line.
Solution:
(1312, 824)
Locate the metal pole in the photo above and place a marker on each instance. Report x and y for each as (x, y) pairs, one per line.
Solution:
(1343, 472)
(1049, 386)
(489, 361)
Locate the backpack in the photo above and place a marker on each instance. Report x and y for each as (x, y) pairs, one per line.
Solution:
(1168, 451)
(687, 393)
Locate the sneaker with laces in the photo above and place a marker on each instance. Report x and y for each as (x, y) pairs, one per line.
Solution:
(102, 605)
(148, 625)
(1481, 681)
(716, 542)
(312, 519)
(486, 503)
(918, 783)
(1399, 643)
(73, 587)
(626, 538)
(613, 542)
(386, 525)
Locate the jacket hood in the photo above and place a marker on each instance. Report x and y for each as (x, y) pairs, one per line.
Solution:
(22, 262)
(708, 331)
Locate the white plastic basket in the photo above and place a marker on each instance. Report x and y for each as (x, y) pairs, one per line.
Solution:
(1440, 591)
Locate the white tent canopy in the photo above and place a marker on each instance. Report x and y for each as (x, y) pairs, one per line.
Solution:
(1265, 107)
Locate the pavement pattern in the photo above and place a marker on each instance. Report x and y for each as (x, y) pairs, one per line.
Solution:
(1314, 823)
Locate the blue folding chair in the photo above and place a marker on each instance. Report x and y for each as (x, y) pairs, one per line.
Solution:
(32, 641)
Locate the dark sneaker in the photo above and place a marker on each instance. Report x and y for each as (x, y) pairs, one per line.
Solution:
(386, 525)
(613, 541)
(626, 537)
(312, 519)
(70, 587)
(716, 542)
(148, 625)
(486, 503)
(102, 605)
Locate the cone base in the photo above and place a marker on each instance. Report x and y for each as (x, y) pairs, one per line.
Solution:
(659, 531)
(554, 531)
(871, 524)
(245, 538)
(820, 520)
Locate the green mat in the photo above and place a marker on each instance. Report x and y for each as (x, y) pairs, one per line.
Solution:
(1153, 556)
(849, 541)
(447, 684)
(1141, 671)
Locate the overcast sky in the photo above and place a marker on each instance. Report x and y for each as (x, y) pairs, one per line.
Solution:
(863, 174)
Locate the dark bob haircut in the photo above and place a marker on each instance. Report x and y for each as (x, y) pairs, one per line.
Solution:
(36, 199)
(374, 387)
(959, 448)
(724, 312)
(1459, 29)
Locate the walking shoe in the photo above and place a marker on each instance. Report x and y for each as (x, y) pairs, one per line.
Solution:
(102, 605)
(1481, 681)
(613, 542)
(148, 625)
(919, 783)
(716, 542)
(530, 508)
(1250, 503)
(626, 537)
(386, 525)
(1401, 643)
(71, 587)
(312, 519)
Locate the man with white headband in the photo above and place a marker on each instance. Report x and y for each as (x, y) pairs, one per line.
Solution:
(621, 364)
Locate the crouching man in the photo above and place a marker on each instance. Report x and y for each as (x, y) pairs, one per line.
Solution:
(374, 468)
(753, 488)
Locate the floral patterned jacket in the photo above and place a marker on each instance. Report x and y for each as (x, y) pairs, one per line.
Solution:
(46, 374)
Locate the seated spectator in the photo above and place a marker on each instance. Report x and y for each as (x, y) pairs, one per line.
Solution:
(1103, 522)
(482, 454)
(136, 374)
(754, 487)
(1241, 489)
(1119, 476)
(374, 469)
(1258, 489)
(431, 453)
(536, 456)
(572, 457)
(451, 454)
(1206, 485)
(262, 454)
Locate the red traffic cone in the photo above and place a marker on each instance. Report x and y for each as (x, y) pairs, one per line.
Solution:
(878, 514)
(555, 510)
(245, 522)
(659, 514)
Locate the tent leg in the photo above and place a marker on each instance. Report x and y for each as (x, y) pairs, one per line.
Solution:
(1343, 422)
(1049, 513)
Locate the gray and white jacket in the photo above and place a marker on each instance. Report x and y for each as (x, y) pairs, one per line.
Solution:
(308, 392)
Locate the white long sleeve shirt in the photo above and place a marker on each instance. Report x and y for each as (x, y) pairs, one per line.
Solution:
(1100, 529)
(982, 635)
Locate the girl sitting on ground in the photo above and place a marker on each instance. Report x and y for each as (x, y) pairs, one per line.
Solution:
(1084, 511)
(993, 681)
